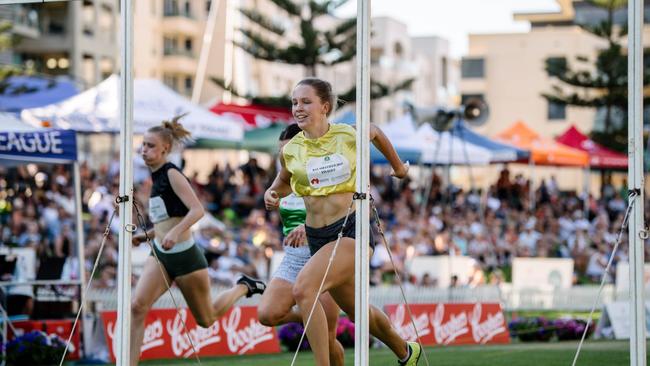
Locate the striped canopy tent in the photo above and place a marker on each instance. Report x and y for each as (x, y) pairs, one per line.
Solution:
(543, 151)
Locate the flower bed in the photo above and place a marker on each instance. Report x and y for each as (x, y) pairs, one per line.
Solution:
(34, 348)
(540, 329)
(289, 334)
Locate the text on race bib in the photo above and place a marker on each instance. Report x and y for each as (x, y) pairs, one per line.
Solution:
(292, 202)
(157, 209)
(328, 170)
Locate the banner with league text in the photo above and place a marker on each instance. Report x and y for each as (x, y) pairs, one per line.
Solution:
(236, 333)
(451, 324)
(39, 145)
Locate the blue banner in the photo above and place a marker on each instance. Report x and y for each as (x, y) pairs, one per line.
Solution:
(51, 146)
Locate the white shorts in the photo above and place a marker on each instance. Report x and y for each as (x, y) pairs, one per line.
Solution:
(293, 261)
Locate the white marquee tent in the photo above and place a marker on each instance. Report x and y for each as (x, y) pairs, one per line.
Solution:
(97, 110)
(436, 148)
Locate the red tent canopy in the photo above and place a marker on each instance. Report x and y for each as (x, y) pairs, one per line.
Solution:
(253, 116)
(599, 156)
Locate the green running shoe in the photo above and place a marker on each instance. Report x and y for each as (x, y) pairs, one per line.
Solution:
(415, 352)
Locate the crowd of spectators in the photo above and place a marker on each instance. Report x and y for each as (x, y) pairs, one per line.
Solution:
(493, 225)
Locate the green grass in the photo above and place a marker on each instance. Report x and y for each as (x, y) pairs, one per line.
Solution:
(594, 353)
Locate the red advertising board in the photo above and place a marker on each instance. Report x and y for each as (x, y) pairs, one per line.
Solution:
(236, 333)
(62, 328)
(443, 324)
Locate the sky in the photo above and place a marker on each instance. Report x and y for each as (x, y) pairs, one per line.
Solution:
(455, 19)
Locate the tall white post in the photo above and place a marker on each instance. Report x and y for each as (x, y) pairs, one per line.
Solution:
(123, 329)
(208, 34)
(362, 251)
(635, 181)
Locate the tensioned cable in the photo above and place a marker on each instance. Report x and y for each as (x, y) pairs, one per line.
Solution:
(162, 272)
(107, 231)
(626, 218)
(322, 283)
(399, 278)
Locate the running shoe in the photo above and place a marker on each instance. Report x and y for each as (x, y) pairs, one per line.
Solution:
(414, 355)
(254, 286)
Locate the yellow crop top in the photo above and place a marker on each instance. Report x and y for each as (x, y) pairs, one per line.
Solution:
(323, 166)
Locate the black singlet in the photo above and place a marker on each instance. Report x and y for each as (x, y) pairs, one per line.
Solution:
(163, 201)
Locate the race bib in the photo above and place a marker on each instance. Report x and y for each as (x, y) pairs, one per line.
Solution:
(157, 210)
(291, 202)
(328, 170)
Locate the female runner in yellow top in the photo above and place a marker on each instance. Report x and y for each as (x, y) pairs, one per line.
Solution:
(319, 164)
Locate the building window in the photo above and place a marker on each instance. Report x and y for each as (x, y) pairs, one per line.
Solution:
(188, 9)
(472, 68)
(188, 45)
(169, 45)
(170, 81)
(189, 81)
(445, 76)
(465, 97)
(171, 7)
(556, 111)
(556, 65)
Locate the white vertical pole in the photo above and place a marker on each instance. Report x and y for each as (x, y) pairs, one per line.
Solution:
(362, 251)
(80, 252)
(206, 44)
(228, 51)
(126, 186)
(635, 181)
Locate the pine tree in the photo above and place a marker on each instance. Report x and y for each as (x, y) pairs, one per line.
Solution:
(324, 47)
(316, 47)
(606, 87)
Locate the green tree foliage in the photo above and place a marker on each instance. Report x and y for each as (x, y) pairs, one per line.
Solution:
(315, 46)
(604, 88)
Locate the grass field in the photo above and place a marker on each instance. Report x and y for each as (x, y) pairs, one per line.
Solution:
(594, 353)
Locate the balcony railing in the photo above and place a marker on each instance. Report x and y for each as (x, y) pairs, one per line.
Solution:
(178, 52)
(177, 13)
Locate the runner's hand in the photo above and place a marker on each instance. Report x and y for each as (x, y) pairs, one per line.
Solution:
(271, 199)
(296, 237)
(170, 240)
(402, 171)
(136, 240)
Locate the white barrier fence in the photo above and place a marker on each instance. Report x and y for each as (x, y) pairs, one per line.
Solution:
(579, 298)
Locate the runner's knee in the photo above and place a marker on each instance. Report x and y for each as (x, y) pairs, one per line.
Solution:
(269, 316)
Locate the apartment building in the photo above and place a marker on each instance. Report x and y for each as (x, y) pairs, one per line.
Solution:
(24, 23)
(507, 70)
(395, 56)
(75, 38)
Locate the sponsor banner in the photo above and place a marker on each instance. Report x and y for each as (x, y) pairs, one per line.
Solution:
(451, 324)
(62, 328)
(236, 333)
(549, 273)
(41, 145)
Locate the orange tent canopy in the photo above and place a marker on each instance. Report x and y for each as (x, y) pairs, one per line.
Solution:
(543, 151)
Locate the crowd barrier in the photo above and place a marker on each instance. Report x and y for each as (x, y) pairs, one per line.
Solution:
(578, 298)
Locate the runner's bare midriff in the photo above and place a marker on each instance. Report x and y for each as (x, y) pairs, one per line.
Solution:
(163, 227)
(326, 210)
